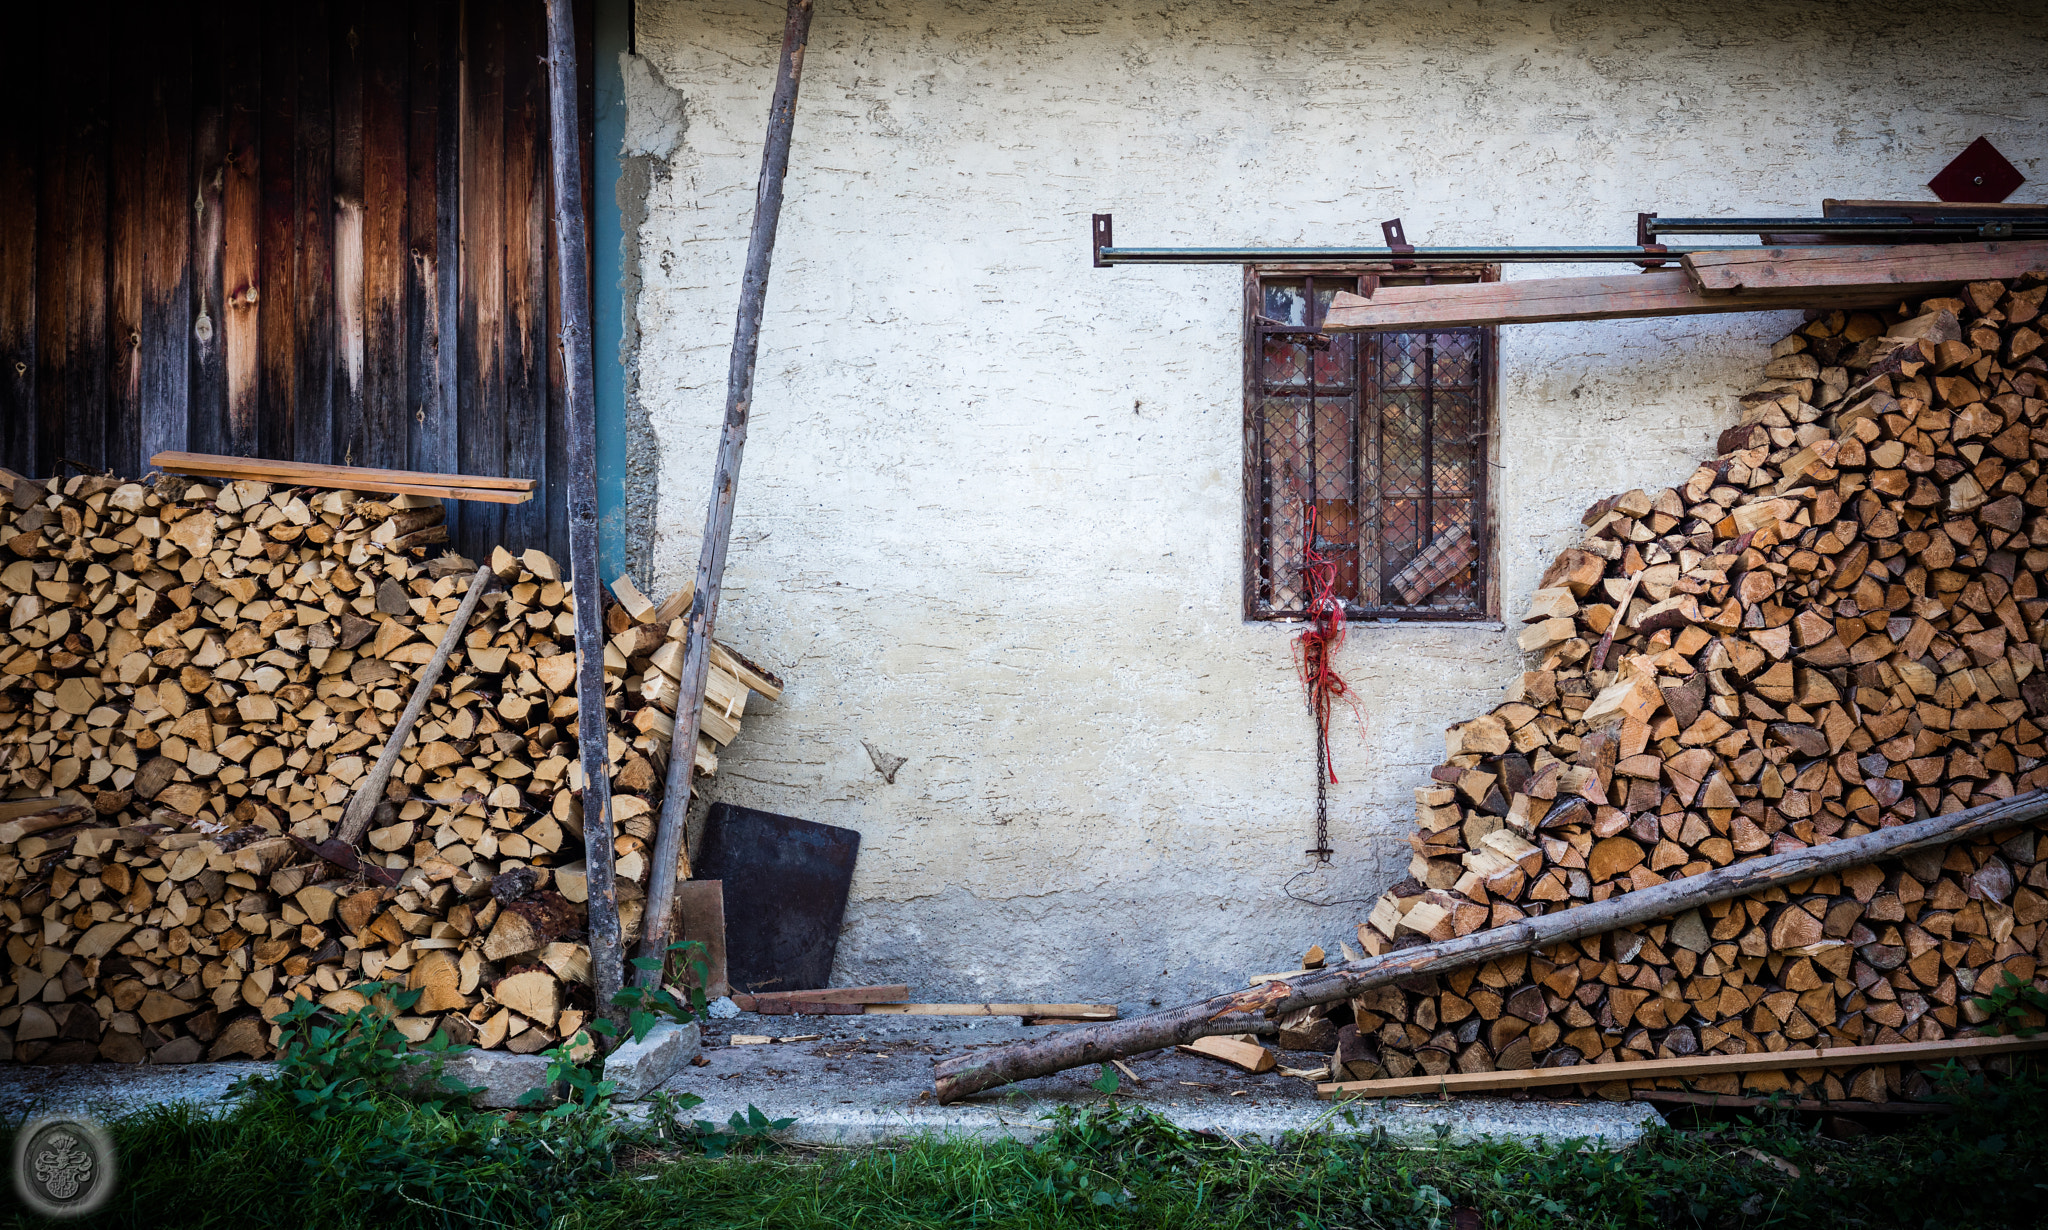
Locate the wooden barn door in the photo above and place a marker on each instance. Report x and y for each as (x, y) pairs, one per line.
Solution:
(315, 231)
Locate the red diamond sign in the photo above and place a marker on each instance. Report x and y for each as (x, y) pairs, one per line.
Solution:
(1979, 175)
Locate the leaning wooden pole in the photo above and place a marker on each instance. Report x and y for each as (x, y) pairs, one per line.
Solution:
(963, 1075)
(739, 396)
(607, 956)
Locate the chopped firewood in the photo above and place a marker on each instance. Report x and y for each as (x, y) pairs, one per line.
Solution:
(196, 679)
(1238, 1052)
(1832, 627)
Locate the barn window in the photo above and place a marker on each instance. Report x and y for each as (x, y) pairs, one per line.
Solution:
(1380, 438)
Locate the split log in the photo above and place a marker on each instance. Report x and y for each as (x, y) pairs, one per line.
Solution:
(964, 1075)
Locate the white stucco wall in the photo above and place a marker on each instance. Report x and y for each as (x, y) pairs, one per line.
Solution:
(989, 516)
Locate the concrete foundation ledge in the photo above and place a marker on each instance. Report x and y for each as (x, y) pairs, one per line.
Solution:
(824, 1121)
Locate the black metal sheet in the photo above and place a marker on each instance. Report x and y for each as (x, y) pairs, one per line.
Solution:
(786, 882)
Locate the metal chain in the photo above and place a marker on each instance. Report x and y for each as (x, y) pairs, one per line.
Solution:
(1322, 850)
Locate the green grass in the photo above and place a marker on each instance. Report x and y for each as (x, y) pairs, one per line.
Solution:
(390, 1164)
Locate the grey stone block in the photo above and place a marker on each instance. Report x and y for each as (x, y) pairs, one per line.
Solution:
(639, 1068)
(502, 1076)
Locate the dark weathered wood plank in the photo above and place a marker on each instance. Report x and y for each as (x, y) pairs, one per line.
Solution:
(277, 235)
(480, 413)
(85, 362)
(431, 281)
(242, 211)
(525, 222)
(350, 327)
(52, 116)
(133, 63)
(585, 127)
(385, 116)
(169, 132)
(312, 307)
(207, 404)
(19, 183)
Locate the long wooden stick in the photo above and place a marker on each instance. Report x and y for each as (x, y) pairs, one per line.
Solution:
(579, 418)
(362, 805)
(739, 397)
(1691, 1065)
(962, 1075)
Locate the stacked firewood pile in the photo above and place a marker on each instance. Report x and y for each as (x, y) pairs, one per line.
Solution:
(192, 681)
(1833, 626)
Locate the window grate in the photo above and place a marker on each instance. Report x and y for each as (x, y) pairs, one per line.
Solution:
(1384, 436)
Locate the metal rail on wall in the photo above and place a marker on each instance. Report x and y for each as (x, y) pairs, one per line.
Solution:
(1954, 224)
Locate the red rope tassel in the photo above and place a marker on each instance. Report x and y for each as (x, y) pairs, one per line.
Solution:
(1315, 650)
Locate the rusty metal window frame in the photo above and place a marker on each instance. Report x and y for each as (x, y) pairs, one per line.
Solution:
(1268, 593)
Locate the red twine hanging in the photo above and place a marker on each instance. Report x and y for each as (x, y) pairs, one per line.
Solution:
(1315, 647)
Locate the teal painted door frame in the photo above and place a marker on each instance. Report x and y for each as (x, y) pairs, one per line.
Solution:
(613, 35)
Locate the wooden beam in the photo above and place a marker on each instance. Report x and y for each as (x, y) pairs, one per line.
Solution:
(1900, 271)
(961, 1075)
(1540, 300)
(669, 852)
(1693, 1065)
(579, 489)
(349, 478)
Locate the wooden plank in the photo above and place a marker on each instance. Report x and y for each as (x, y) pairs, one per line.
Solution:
(700, 904)
(480, 408)
(19, 82)
(887, 993)
(350, 478)
(1906, 270)
(242, 209)
(350, 439)
(1539, 300)
(431, 199)
(277, 258)
(963, 1075)
(166, 236)
(84, 430)
(312, 307)
(524, 196)
(133, 63)
(385, 129)
(53, 242)
(207, 398)
(1086, 1012)
(579, 493)
(1694, 1065)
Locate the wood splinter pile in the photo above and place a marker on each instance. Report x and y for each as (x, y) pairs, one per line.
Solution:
(193, 679)
(1833, 626)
